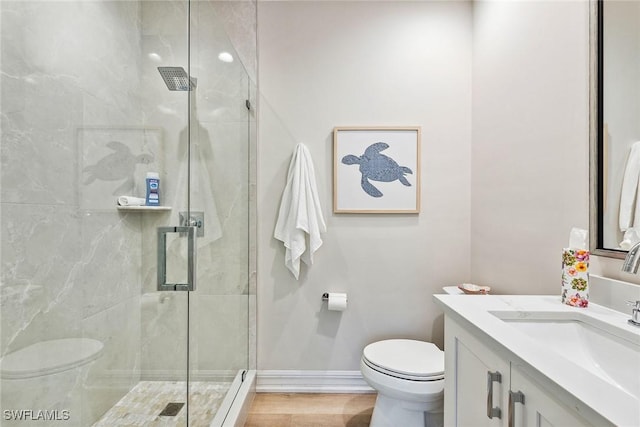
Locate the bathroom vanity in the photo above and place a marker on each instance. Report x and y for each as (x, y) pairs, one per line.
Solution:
(530, 361)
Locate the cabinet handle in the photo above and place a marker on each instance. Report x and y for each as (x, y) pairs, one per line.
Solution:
(491, 410)
(514, 397)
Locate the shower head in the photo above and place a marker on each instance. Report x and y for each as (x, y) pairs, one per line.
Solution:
(176, 78)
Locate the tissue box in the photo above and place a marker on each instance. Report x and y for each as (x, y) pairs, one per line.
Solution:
(575, 277)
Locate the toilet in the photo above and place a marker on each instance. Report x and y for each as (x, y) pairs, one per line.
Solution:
(409, 378)
(48, 376)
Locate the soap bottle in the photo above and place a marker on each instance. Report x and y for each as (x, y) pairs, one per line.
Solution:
(153, 189)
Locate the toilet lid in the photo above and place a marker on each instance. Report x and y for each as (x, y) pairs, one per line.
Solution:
(49, 357)
(410, 359)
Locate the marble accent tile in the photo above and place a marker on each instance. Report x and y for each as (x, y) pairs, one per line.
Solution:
(143, 404)
(114, 162)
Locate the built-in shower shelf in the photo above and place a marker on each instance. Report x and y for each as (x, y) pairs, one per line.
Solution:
(144, 208)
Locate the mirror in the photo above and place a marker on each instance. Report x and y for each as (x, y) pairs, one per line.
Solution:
(615, 127)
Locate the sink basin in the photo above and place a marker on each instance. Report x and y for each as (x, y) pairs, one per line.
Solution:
(608, 351)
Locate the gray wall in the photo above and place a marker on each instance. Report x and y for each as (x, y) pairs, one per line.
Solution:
(530, 164)
(326, 64)
(501, 92)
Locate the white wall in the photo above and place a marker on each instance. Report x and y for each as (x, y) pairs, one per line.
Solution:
(530, 144)
(326, 64)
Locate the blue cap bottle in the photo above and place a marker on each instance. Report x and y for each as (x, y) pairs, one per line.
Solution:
(153, 189)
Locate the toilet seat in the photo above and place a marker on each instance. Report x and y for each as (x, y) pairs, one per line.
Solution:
(49, 357)
(405, 359)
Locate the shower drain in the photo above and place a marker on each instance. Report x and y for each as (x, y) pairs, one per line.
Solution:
(172, 409)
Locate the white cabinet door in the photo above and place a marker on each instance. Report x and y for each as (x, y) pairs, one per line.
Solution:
(540, 408)
(476, 389)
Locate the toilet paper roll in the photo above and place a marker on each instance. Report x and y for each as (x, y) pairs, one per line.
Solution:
(337, 301)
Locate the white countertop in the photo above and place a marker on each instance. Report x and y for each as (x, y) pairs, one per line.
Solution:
(575, 384)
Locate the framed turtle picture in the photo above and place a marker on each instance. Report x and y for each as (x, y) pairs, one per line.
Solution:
(376, 169)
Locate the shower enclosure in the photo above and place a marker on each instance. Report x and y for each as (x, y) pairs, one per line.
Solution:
(126, 315)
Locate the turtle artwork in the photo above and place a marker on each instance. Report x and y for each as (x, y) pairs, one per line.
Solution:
(117, 166)
(377, 167)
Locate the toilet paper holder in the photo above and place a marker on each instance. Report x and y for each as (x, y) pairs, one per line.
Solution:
(335, 302)
(325, 296)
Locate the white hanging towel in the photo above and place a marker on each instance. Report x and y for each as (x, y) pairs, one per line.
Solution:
(629, 215)
(300, 217)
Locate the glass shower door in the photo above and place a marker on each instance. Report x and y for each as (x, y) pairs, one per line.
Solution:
(210, 168)
(93, 97)
(221, 123)
(85, 116)
(168, 255)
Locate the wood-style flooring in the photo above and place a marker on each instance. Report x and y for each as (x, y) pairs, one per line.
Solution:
(311, 410)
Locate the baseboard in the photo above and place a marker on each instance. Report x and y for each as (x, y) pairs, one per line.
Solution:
(289, 381)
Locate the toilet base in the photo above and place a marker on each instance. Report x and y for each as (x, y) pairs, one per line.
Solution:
(390, 412)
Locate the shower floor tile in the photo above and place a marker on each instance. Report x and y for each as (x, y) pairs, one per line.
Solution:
(144, 403)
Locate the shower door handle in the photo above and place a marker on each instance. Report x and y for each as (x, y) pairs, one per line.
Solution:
(191, 259)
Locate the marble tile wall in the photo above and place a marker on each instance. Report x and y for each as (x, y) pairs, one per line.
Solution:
(70, 262)
(85, 114)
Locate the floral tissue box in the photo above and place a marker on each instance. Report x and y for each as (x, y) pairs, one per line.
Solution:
(575, 277)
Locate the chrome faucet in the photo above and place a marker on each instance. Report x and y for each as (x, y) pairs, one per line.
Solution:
(632, 260)
(635, 312)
